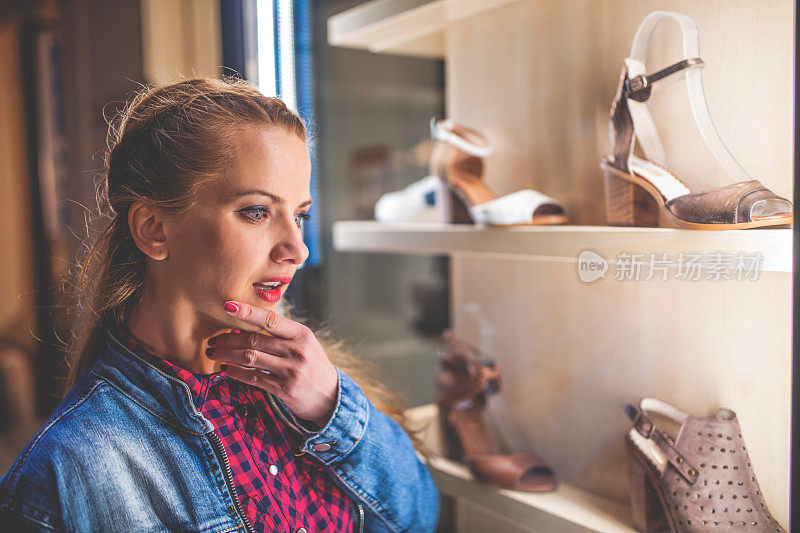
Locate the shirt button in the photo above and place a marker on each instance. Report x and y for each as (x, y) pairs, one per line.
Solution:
(323, 447)
(273, 469)
(301, 530)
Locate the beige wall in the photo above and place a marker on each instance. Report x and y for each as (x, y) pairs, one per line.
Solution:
(538, 78)
(180, 38)
(16, 278)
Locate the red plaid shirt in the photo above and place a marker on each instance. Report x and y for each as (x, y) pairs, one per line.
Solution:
(277, 490)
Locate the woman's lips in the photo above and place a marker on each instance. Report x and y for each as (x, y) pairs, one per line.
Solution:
(270, 289)
(271, 296)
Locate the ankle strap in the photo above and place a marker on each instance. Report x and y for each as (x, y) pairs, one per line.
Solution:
(654, 405)
(648, 430)
(639, 87)
(630, 119)
(443, 131)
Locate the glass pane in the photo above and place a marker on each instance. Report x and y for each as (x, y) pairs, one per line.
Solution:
(372, 114)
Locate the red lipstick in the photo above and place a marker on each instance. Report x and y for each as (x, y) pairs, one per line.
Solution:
(270, 289)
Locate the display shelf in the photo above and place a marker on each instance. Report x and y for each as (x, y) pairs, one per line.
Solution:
(561, 243)
(616, 342)
(403, 27)
(566, 509)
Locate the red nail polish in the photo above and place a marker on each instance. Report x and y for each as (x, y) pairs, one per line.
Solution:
(231, 307)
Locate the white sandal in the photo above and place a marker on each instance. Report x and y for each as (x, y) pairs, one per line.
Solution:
(414, 203)
(457, 159)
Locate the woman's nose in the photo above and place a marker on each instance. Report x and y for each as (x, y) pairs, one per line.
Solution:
(290, 246)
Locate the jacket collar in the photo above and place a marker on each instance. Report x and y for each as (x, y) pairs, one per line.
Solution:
(163, 395)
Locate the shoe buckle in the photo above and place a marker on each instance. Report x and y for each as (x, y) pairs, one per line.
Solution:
(638, 88)
(643, 425)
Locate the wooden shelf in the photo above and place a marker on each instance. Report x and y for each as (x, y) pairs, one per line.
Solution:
(403, 27)
(566, 509)
(560, 243)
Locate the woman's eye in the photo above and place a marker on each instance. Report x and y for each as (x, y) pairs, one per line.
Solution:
(300, 219)
(256, 214)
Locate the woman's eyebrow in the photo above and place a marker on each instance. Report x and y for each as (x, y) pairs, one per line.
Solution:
(274, 197)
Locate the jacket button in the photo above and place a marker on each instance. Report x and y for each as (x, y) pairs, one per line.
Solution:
(323, 447)
(273, 469)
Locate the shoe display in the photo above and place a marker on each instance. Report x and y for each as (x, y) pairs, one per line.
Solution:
(702, 480)
(688, 473)
(463, 385)
(458, 159)
(643, 192)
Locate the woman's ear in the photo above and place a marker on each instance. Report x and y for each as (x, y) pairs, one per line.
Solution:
(147, 228)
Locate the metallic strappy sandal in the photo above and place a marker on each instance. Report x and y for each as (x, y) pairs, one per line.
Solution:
(463, 384)
(643, 192)
(702, 481)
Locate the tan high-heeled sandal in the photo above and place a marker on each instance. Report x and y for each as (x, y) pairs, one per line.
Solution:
(458, 159)
(643, 192)
(700, 481)
(463, 384)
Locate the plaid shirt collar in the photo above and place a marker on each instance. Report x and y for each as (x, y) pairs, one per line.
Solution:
(199, 384)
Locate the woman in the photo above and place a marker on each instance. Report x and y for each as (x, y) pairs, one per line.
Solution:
(193, 404)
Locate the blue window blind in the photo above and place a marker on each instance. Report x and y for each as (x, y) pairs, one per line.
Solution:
(269, 42)
(294, 83)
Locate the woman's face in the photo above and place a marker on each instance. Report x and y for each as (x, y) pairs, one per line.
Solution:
(242, 240)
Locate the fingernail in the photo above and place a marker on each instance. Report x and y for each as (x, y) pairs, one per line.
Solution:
(231, 307)
(211, 341)
(209, 351)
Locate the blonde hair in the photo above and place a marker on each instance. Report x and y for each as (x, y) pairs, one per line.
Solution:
(162, 147)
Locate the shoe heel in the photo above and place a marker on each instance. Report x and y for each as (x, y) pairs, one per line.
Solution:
(628, 204)
(646, 509)
(451, 207)
(451, 442)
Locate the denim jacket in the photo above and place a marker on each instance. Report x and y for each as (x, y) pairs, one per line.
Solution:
(128, 451)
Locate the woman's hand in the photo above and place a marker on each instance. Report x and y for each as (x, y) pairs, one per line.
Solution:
(289, 362)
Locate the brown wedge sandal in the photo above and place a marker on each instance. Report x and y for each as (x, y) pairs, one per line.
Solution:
(463, 384)
(458, 160)
(643, 192)
(700, 481)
